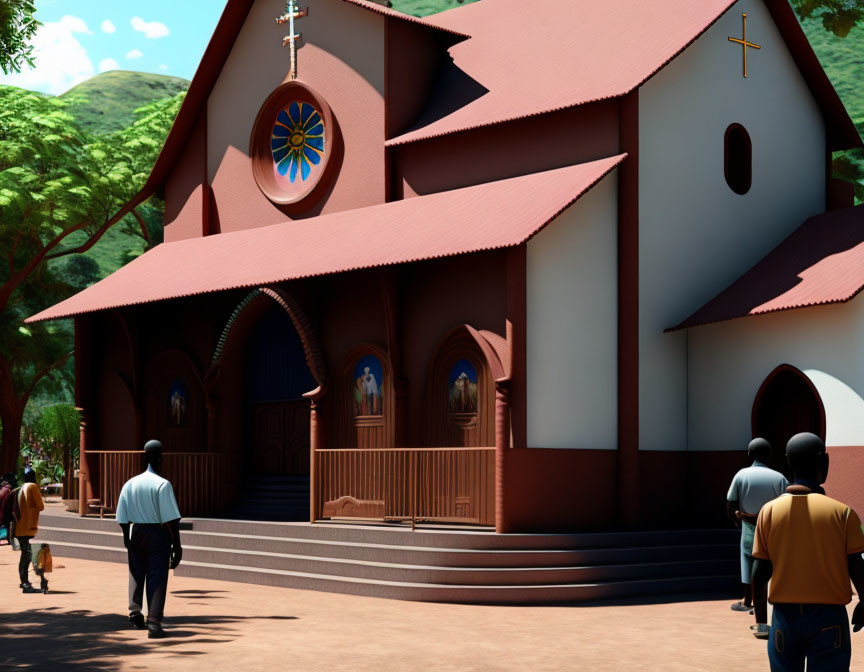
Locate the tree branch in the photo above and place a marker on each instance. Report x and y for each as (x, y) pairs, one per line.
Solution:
(84, 246)
(41, 374)
(142, 224)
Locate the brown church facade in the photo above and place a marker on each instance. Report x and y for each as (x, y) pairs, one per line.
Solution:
(434, 279)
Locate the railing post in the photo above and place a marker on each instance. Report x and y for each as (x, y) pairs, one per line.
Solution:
(83, 471)
(314, 447)
(502, 445)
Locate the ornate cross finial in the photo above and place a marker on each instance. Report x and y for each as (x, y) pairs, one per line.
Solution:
(744, 43)
(291, 13)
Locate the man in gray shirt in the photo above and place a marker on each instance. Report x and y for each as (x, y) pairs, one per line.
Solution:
(751, 489)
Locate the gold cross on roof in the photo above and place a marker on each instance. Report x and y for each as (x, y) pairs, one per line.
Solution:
(744, 43)
(291, 13)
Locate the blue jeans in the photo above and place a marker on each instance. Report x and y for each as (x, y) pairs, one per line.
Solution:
(818, 633)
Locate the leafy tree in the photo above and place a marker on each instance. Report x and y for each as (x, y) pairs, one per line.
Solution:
(59, 192)
(17, 29)
(53, 439)
(837, 16)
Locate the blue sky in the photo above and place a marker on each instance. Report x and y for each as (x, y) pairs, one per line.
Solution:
(81, 38)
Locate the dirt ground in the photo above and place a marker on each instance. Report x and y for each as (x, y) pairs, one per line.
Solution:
(81, 626)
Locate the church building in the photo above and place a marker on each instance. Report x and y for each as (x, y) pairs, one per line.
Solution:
(534, 267)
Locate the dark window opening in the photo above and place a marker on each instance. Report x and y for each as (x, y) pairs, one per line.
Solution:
(738, 159)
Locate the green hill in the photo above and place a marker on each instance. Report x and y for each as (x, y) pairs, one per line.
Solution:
(105, 103)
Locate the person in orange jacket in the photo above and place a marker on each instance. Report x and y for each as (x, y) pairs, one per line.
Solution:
(28, 505)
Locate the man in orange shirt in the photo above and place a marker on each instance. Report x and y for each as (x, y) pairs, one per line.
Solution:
(29, 504)
(809, 546)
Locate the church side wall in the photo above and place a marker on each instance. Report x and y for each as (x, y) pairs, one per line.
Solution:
(342, 57)
(697, 235)
(729, 361)
(572, 346)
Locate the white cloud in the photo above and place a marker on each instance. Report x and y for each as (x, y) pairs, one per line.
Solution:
(108, 64)
(151, 29)
(163, 67)
(108, 27)
(135, 53)
(61, 60)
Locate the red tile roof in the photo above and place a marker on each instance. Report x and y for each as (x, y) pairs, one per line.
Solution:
(547, 55)
(822, 262)
(484, 217)
(394, 14)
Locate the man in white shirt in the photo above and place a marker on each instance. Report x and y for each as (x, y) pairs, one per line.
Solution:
(751, 489)
(147, 503)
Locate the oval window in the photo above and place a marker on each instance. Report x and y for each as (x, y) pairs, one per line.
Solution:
(738, 159)
(292, 143)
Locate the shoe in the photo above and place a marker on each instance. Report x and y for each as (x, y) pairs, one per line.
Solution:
(740, 606)
(137, 620)
(155, 631)
(29, 588)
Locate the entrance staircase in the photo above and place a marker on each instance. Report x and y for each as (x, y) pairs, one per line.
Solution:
(274, 498)
(435, 565)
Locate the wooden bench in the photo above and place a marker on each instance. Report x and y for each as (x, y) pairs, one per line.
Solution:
(97, 504)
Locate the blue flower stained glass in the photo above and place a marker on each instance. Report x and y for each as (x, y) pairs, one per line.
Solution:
(297, 141)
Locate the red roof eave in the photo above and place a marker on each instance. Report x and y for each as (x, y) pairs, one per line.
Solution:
(484, 217)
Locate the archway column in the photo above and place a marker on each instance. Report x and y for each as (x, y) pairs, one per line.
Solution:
(315, 444)
(502, 447)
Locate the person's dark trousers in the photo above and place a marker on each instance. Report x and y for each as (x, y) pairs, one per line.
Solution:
(26, 558)
(149, 557)
(818, 633)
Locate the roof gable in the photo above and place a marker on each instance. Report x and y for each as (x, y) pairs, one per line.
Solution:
(579, 51)
(215, 56)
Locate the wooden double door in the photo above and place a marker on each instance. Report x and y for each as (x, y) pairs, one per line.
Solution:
(279, 436)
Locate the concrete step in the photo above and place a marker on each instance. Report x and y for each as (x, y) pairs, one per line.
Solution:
(446, 564)
(455, 537)
(480, 576)
(439, 537)
(471, 594)
(408, 555)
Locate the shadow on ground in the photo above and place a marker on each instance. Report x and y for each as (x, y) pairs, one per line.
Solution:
(82, 640)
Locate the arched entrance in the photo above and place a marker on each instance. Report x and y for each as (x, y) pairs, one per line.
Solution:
(276, 414)
(787, 403)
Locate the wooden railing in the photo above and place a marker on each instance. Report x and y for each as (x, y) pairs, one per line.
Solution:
(417, 484)
(198, 479)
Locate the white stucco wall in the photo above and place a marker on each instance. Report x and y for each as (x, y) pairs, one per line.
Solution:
(729, 361)
(696, 235)
(572, 325)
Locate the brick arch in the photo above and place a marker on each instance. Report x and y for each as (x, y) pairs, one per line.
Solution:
(446, 428)
(787, 403)
(308, 337)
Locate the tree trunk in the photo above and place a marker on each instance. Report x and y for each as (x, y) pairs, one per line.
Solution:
(10, 443)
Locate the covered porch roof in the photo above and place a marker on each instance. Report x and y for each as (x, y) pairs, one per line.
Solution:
(489, 216)
(821, 262)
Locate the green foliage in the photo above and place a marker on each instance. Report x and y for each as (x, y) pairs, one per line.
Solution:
(426, 7)
(17, 29)
(55, 432)
(51, 442)
(836, 16)
(106, 103)
(59, 189)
